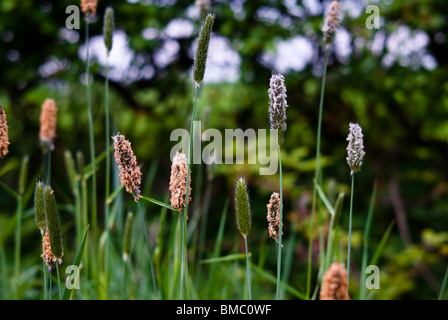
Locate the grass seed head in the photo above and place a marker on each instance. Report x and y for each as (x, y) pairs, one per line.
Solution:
(200, 59)
(39, 206)
(243, 213)
(4, 141)
(89, 7)
(277, 105)
(52, 222)
(355, 148)
(334, 283)
(108, 28)
(130, 174)
(48, 118)
(331, 22)
(47, 254)
(178, 182)
(273, 216)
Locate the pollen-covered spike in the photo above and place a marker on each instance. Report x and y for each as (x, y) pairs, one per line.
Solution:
(48, 118)
(178, 182)
(130, 174)
(4, 140)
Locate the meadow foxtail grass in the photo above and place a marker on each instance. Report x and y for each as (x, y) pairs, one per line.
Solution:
(243, 216)
(4, 139)
(277, 121)
(329, 29)
(355, 154)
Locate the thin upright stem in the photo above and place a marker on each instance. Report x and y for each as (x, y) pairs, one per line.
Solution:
(59, 281)
(44, 268)
(248, 268)
(445, 280)
(280, 232)
(107, 174)
(91, 136)
(350, 229)
(151, 263)
(48, 165)
(49, 286)
(316, 174)
(182, 250)
(187, 194)
(18, 245)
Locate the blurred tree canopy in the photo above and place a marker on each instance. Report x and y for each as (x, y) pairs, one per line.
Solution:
(392, 80)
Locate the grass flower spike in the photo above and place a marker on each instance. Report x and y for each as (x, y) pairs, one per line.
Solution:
(48, 118)
(273, 216)
(47, 254)
(53, 224)
(4, 142)
(108, 28)
(39, 206)
(243, 213)
(355, 148)
(89, 7)
(331, 22)
(200, 58)
(334, 283)
(178, 182)
(277, 105)
(243, 217)
(130, 174)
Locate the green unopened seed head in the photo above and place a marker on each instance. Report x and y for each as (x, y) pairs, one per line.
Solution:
(127, 236)
(53, 223)
(39, 206)
(243, 213)
(200, 58)
(108, 28)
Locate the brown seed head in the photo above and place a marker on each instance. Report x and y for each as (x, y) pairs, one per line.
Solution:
(48, 119)
(273, 216)
(4, 142)
(47, 254)
(178, 182)
(331, 22)
(89, 7)
(334, 283)
(130, 174)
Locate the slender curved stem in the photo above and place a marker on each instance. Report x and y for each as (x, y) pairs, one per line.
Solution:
(316, 175)
(280, 232)
(248, 268)
(184, 214)
(91, 136)
(107, 178)
(151, 263)
(445, 280)
(59, 281)
(350, 229)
